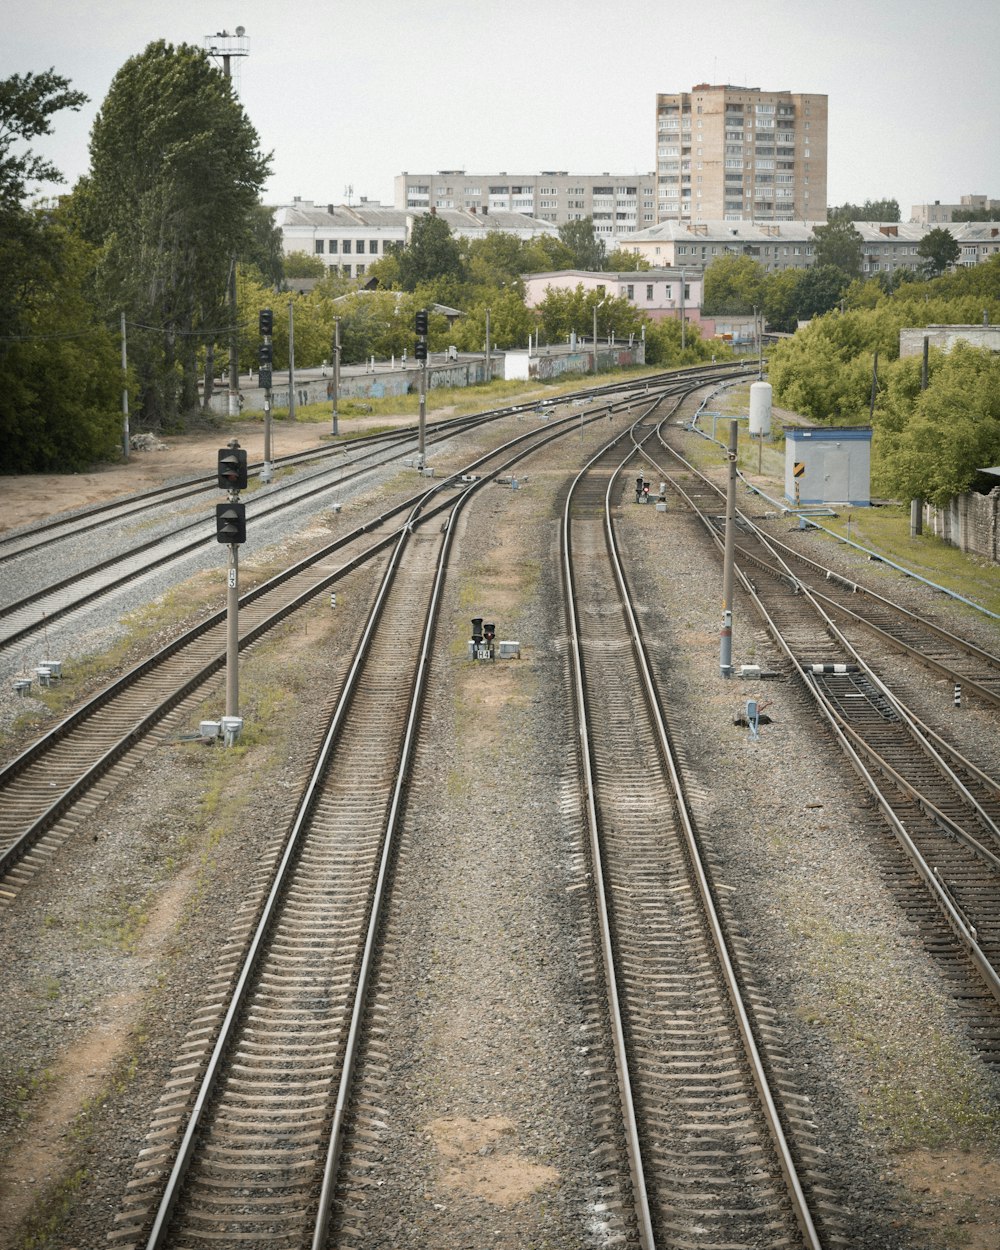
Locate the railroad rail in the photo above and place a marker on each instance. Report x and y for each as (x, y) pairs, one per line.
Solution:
(712, 1147)
(942, 809)
(249, 1147)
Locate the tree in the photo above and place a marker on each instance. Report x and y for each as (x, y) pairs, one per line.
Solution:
(174, 181)
(974, 214)
(734, 285)
(939, 249)
(586, 248)
(839, 244)
(623, 261)
(60, 377)
(303, 265)
(264, 249)
(871, 210)
(431, 253)
(27, 103)
(933, 446)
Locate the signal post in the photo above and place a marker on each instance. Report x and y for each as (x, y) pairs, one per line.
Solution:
(231, 528)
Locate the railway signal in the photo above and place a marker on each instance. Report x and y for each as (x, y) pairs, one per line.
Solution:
(231, 522)
(420, 325)
(232, 469)
(266, 322)
(231, 529)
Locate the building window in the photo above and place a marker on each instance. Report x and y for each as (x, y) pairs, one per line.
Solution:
(630, 291)
(319, 247)
(360, 270)
(649, 290)
(346, 249)
(373, 247)
(333, 246)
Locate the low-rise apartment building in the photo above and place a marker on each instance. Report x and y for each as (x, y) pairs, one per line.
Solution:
(619, 204)
(886, 246)
(349, 238)
(937, 214)
(660, 293)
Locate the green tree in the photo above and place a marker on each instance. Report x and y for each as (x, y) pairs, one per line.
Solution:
(264, 248)
(27, 104)
(839, 244)
(60, 377)
(938, 249)
(734, 285)
(173, 186)
(588, 251)
(303, 265)
(931, 444)
(431, 254)
(621, 260)
(870, 210)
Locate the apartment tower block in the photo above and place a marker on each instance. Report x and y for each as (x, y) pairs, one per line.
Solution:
(727, 153)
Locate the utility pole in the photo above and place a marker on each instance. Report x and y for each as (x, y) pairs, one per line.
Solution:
(266, 327)
(223, 47)
(420, 323)
(125, 439)
(291, 360)
(487, 378)
(231, 529)
(683, 318)
(336, 372)
(596, 306)
(728, 561)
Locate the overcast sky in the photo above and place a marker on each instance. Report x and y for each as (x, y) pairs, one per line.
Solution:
(349, 95)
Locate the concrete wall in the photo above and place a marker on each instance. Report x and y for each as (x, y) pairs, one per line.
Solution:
(970, 522)
(911, 341)
(553, 362)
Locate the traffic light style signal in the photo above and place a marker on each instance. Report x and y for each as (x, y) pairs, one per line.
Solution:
(232, 472)
(266, 321)
(265, 354)
(231, 522)
(420, 321)
(420, 351)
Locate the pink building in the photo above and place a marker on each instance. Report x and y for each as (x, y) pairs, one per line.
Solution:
(660, 293)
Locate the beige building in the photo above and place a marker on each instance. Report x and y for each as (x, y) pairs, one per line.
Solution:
(726, 153)
(938, 214)
(620, 204)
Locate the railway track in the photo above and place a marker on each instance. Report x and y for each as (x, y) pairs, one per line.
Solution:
(942, 809)
(716, 1154)
(55, 604)
(51, 786)
(246, 1145)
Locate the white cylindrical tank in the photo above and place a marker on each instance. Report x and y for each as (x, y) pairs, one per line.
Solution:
(760, 408)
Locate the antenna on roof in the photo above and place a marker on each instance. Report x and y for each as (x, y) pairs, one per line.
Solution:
(349, 193)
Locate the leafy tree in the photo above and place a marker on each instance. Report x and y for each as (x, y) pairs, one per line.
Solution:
(60, 378)
(588, 251)
(938, 249)
(303, 265)
(27, 103)
(663, 344)
(871, 210)
(173, 187)
(734, 285)
(264, 248)
(839, 244)
(818, 290)
(561, 312)
(934, 446)
(621, 260)
(547, 254)
(974, 214)
(431, 254)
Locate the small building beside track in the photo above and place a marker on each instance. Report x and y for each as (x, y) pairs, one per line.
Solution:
(828, 464)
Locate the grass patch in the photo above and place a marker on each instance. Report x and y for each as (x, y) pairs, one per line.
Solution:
(923, 1090)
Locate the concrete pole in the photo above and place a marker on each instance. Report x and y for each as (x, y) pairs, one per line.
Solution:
(291, 360)
(336, 372)
(683, 318)
(126, 443)
(423, 414)
(728, 563)
(233, 631)
(488, 377)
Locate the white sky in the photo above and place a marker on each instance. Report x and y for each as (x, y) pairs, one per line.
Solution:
(353, 94)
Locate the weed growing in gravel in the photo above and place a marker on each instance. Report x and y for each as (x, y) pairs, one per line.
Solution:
(923, 1089)
(51, 1210)
(25, 1087)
